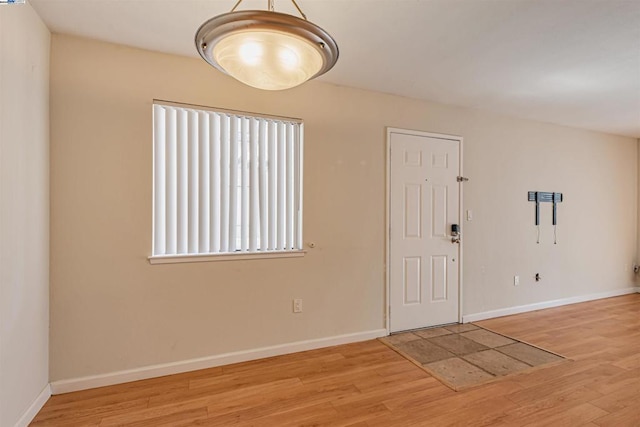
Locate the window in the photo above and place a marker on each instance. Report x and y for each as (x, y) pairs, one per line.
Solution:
(224, 183)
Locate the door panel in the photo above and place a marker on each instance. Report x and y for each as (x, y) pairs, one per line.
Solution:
(424, 202)
(412, 280)
(439, 211)
(412, 211)
(439, 285)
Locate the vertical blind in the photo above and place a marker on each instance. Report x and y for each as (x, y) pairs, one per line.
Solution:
(225, 182)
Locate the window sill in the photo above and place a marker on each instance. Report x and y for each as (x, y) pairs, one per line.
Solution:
(174, 259)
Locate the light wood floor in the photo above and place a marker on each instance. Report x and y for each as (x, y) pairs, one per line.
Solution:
(367, 384)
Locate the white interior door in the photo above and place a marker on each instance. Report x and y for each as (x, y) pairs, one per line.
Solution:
(423, 204)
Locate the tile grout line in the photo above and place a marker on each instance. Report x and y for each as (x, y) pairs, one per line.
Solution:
(524, 342)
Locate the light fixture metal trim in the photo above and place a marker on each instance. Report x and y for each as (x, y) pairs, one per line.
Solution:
(218, 27)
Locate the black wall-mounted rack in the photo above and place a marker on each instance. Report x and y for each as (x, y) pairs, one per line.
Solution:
(545, 196)
(542, 197)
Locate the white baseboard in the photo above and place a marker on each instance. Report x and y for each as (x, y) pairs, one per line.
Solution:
(546, 304)
(75, 384)
(35, 407)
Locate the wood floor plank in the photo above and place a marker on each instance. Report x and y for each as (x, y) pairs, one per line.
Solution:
(621, 398)
(319, 414)
(90, 413)
(263, 406)
(627, 417)
(368, 384)
(574, 416)
(174, 419)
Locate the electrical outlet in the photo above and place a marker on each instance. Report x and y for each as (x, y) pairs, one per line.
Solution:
(516, 280)
(297, 305)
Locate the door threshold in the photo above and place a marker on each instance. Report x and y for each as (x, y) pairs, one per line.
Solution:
(425, 327)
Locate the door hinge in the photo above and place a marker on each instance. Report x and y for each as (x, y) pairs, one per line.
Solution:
(462, 179)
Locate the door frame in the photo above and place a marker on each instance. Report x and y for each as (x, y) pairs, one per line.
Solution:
(387, 272)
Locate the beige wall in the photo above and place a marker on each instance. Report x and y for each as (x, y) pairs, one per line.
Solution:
(24, 210)
(112, 311)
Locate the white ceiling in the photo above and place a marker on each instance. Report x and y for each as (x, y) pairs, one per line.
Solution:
(570, 62)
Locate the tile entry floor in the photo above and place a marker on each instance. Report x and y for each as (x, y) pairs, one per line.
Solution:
(467, 355)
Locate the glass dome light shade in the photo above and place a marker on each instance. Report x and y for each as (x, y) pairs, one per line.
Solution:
(268, 60)
(266, 50)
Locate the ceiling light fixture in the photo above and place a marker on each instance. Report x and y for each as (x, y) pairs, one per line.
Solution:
(266, 49)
